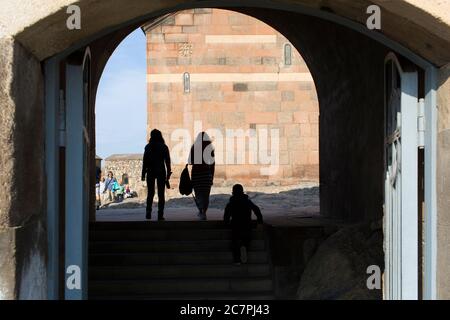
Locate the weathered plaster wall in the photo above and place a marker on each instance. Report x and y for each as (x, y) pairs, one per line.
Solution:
(443, 184)
(22, 215)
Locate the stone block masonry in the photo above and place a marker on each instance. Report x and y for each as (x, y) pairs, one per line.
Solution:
(239, 78)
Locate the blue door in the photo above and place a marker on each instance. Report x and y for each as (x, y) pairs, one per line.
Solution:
(401, 181)
(77, 175)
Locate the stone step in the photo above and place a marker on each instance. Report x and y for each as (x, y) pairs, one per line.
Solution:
(165, 234)
(171, 258)
(145, 225)
(268, 295)
(174, 260)
(178, 286)
(177, 271)
(167, 246)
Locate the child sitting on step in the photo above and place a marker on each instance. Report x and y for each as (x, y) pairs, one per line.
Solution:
(239, 210)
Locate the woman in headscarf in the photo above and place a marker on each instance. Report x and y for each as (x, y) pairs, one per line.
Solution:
(202, 160)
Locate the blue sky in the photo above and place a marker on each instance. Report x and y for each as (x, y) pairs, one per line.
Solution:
(121, 113)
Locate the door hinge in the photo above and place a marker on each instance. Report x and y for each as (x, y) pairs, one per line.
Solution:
(421, 123)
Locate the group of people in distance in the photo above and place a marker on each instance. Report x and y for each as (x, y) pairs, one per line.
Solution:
(109, 189)
(157, 170)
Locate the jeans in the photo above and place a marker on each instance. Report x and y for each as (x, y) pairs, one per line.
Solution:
(161, 184)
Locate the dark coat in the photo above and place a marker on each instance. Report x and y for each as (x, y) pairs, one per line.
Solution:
(239, 209)
(202, 174)
(156, 159)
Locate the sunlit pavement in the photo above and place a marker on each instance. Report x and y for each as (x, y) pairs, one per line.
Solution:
(291, 207)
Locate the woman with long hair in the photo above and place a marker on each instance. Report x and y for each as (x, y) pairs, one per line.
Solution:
(202, 160)
(156, 160)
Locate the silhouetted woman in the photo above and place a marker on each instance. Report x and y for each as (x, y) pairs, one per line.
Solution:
(202, 160)
(156, 160)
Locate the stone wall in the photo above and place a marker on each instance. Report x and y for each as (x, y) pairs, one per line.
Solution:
(129, 164)
(239, 79)
(23, 235)
(337, 269)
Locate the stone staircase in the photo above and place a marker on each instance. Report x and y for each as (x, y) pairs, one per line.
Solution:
(174, 260)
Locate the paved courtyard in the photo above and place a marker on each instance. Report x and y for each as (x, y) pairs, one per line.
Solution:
(279, 205)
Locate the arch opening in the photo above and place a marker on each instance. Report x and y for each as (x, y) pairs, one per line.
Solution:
(348, 69)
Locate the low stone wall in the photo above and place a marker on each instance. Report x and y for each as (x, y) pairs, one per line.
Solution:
(291, 249)
(338, 268)
(131, 165)
(321, 259)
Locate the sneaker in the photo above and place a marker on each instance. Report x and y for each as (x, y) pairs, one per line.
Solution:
(243, 254)
(161, 218)
(148, 216)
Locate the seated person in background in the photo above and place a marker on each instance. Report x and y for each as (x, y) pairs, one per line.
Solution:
(98, 174)
(118, 192)
(239, 210)
(127, 192)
